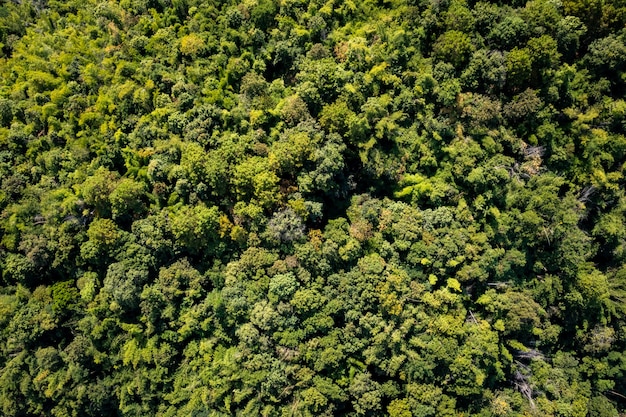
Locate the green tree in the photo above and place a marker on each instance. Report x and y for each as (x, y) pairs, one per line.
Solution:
(97, 189)
(128, 200)
(454, 47)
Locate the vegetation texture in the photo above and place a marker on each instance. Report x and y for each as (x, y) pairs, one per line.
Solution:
(309, 208)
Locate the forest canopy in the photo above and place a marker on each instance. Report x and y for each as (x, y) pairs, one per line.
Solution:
(307, 208)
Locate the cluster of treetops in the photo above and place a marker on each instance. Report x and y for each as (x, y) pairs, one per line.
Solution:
(400, 208)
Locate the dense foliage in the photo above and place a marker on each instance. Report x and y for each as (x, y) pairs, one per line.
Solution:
(305, 208)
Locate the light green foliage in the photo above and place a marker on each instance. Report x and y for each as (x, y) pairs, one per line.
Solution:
(519, 63)
(195, 228)
(454, 47)
(97, 189)
(192, 45)
(127, 200)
